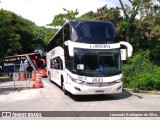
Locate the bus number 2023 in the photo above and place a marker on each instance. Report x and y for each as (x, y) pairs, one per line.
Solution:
(97, 80)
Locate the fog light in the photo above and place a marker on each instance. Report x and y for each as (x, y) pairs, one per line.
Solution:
(119, 88)
(78, 89)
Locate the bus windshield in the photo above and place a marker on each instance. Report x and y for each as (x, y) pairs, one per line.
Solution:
(98, 63)
(93, 32)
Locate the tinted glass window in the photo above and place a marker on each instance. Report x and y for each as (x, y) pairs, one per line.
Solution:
(66, 32)
(68, 59)
(56, 63)
(59, 38)
(97, 62)
(93, 32)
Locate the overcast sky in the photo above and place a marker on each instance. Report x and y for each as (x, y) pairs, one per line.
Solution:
(42, 11)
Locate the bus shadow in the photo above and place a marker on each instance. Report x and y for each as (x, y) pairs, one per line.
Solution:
(9, 90)
(86, 98)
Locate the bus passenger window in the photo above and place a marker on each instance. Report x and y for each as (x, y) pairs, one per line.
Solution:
(59, 63)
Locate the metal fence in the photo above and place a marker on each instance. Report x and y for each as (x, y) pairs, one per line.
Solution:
(16, 82)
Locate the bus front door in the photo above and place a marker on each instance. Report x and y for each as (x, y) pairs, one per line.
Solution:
(59, 70)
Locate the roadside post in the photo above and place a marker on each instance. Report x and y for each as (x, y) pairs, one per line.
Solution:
(15, 77)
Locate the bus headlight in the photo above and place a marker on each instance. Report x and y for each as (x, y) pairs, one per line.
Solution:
(118, 81)
(79, 81)
(76, 80)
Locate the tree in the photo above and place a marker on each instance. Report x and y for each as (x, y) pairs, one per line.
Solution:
(9, 39)
(19, 35)
(39, 36)
(130, 13)
(143, 8)
(60, 19)
(149, 8)
(88, 16)
(50, 33)
(109, 14)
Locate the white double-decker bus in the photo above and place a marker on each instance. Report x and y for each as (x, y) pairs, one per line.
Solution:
(84, 57)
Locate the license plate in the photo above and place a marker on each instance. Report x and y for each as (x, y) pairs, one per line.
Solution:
(99, 91)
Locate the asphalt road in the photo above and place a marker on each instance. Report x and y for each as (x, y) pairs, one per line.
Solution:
(51, 98)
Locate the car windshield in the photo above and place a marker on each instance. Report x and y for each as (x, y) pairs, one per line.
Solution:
(93, 32)
(97, 62)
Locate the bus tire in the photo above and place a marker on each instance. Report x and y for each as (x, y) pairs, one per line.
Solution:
(63, 86)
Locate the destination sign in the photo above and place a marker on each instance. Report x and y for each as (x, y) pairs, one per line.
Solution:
(11, 59)
(99, 46)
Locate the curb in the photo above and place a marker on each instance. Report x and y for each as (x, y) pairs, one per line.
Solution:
(143, 91)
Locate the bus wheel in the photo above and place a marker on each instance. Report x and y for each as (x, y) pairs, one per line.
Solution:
(63, 86)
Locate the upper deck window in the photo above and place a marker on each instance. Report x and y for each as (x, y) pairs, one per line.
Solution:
(93, 32)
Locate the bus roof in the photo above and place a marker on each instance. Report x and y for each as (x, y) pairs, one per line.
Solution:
(70, 21)
(88, 21)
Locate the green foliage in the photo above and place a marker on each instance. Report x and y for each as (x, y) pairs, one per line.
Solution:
(18, 35)
(109, 14)
(123, 25)
(50, 33)
(88, 16)
(60, 19)
(9, 39)
(140, 73)
(40, 34)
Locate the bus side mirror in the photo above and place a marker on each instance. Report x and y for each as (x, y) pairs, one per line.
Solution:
(129, 48)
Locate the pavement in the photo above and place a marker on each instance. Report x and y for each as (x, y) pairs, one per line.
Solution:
(51, 98)
(20, 90)
(11, 90)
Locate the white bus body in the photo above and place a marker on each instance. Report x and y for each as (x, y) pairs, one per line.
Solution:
(81, 66)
